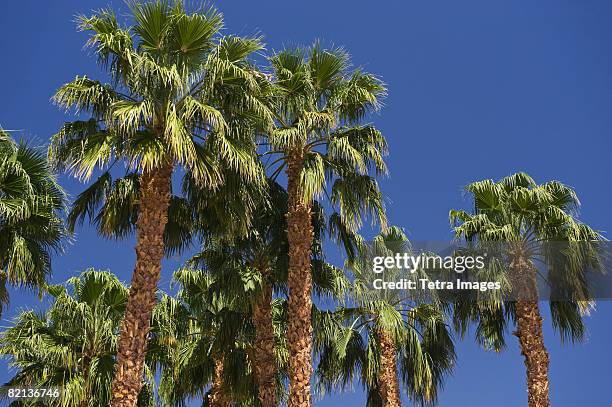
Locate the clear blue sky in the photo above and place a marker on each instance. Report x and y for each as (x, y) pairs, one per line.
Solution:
(478, 89)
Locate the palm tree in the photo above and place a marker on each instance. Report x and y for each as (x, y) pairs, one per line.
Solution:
(378, 338)
(319, 103)
(179, 96)
(30, 225)
(209, 351)
(264, 253)
(528, 219)
(234, 280)
(72, 345)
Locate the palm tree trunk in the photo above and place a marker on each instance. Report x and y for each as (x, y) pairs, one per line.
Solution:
(531, 338)
(387, 379)
(217, 397)
(155, 187)
(299, 327)
(529, 330)
(265, 362)
(86, 358)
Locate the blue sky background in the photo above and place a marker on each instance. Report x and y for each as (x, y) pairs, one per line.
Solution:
(478, 89)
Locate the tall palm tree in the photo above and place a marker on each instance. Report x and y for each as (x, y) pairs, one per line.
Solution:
(72, 345)
(180, 97)
(30, 225)
(527, 219)
(319, 103)
(378, 338)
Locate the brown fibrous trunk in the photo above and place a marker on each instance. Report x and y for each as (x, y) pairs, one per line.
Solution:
(217, 397)
(531, 339)
(299, 327)
(265, 361)
(155, 189)
(529, 330)
(387, 379)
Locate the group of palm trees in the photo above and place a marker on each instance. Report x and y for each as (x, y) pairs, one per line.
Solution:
(258, 166)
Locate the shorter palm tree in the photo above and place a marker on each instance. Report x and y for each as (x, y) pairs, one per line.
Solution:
(525, 222)
(234, 346)
(207, 351)
(378, 338)
(31, 229)
(257, 263)
(72, 346)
